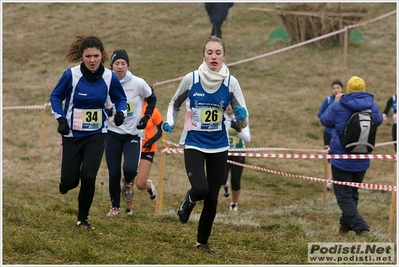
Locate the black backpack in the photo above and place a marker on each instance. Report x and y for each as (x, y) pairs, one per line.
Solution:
(359, 132)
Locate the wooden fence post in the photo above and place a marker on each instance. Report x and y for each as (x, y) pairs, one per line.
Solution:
(345, 44)
(325, 177)
(392, 214)
(43, 137)
(159, 201)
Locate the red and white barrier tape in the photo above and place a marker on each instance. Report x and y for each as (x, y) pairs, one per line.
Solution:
(278, 148)
(314, 156)
(298, 149)
(263, 148)
(359, 185)
(385, 143)
(28, 107)
(304, 156)
(295, 156)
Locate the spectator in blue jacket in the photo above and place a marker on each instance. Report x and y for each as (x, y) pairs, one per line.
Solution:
(349, 170)
(337, 87)
(217, 14)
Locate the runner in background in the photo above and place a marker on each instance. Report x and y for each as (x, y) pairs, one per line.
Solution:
(237, 139)
(149, 147)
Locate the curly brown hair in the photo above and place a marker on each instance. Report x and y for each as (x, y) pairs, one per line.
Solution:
(82, 42)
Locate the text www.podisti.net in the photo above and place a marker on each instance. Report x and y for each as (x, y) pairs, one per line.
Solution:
(339, 252)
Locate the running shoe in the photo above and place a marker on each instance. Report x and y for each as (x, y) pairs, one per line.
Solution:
(233, 206)
(129, 212)
(152, 191)
(329, 186)
(114, 212)
(62, 188)
(84, 225)
(186, 208)
(205, 248)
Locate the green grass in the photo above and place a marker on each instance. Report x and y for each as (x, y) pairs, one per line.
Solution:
(277, 215)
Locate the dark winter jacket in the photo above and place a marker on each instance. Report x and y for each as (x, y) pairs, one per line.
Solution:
(336, 116)
(218, 11)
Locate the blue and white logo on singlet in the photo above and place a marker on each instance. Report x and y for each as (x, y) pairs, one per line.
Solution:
(198, 94)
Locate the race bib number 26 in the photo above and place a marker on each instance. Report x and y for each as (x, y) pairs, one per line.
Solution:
(207, 119)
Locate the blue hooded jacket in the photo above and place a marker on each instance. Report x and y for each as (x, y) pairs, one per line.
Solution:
(336, 116)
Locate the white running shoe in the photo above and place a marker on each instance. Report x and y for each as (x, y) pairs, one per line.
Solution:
(329, 186)
(152, 191)
(233, 206)
(129, 212)
(114, 212)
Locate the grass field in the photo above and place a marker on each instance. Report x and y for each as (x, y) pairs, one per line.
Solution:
(278, 215)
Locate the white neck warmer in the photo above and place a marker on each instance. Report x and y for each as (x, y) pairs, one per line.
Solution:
(211, 79)
(128, 77)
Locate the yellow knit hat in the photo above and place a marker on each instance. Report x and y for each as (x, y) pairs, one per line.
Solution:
(355, 85)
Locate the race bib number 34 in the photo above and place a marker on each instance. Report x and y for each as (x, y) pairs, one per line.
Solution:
(87, 119)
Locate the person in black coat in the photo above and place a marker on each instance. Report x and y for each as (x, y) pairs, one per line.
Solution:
(217, 13)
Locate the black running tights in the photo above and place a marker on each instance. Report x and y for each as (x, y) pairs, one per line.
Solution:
(205, 186)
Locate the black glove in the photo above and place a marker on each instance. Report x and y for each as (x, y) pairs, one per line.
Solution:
(63, 127)
(234, 125)
(143, 122)
(147, 146)
(109, 112)
(119, 118)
